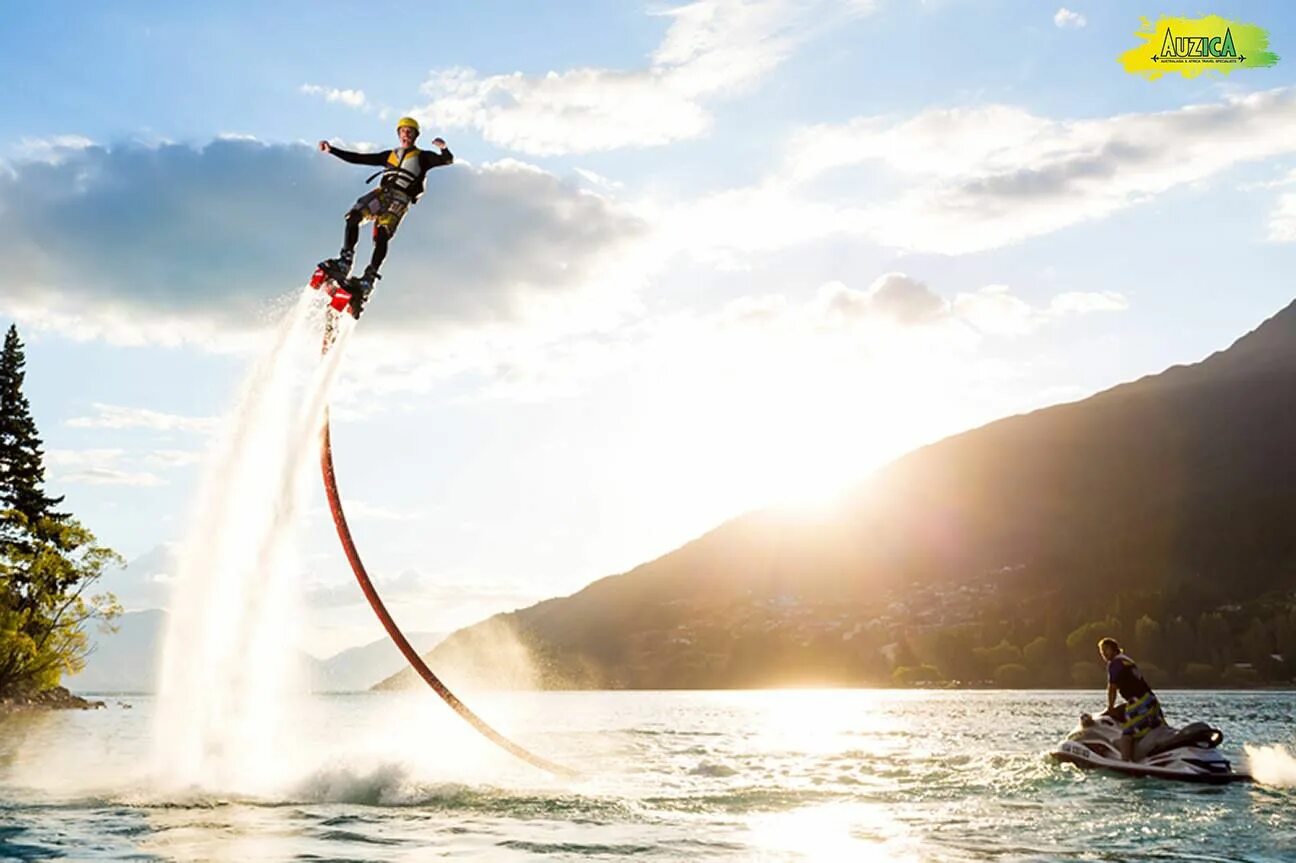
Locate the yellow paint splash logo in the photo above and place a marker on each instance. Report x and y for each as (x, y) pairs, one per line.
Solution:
(1191, 46)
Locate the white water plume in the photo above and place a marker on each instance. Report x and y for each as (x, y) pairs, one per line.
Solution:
(1272, 765)
(224, 704)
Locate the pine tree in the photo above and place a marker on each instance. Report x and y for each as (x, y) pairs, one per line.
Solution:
(22, 468)
(48, 561)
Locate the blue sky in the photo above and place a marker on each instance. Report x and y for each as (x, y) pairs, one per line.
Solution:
(692, 259)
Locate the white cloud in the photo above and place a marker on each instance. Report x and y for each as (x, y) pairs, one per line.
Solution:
(1288, 178)
(1084, 302)
(110, 476)
(598, 180)
(350, 98)
(712, 48)
(76, 458)
(52, 151)
(1282, 220)
(96, 467)
(112, 466)
(1066, 18)
(892, 296)
(972, 179)
(119, 417)
(580, 111)
(1058, 174)
(994, 310)
(939, 143)
(172, 458)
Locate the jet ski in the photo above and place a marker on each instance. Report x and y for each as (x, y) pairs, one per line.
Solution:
(1188, 754)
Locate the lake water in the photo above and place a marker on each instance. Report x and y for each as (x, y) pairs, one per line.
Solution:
(845, 775)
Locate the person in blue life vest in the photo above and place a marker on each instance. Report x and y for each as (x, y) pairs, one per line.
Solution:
(1142, 712)
(404, 169)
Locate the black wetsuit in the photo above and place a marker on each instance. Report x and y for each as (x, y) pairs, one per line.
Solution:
(387, 204)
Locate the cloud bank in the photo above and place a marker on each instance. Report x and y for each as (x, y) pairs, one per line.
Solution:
(964, 180)
(175, 244)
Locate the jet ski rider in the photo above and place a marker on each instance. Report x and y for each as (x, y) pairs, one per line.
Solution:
(1142, 711)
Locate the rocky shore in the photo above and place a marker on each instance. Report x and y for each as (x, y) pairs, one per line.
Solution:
(57, 698)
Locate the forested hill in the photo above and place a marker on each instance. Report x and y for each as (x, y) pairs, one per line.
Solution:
(1171, 499)
(1182, 477)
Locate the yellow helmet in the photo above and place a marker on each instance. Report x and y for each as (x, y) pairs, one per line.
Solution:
(407, 121)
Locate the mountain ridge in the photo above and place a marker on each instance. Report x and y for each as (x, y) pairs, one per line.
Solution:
(127, 660)
(1177, 483)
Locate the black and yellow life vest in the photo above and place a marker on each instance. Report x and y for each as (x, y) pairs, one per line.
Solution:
(403, 172)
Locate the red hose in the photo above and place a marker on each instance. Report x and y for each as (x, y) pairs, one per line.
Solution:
(407, 649)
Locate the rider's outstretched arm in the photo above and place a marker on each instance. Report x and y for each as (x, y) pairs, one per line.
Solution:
(379, 158)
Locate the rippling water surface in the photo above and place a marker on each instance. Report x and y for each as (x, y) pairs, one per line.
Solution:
(773, 775)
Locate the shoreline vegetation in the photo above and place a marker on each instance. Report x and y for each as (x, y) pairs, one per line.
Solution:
(56, 698)
(48, 563)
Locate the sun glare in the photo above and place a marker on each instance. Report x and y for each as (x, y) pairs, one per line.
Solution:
(833, 833)
(790, 421)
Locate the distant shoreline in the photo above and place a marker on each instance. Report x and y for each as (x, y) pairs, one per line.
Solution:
(58, 698)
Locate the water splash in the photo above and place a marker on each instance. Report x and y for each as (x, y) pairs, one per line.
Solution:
(229, 661)
(1272, 765)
